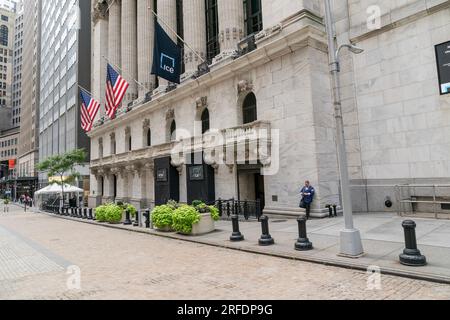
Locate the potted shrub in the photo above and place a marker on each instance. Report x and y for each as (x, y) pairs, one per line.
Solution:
(162, 217)
(114, 214)
(195, 220)
(100, 213)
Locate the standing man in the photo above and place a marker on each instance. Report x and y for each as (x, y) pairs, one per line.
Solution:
(307, 193)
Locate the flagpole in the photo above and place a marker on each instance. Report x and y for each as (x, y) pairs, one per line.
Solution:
(87, 91)
(137, 82)
(187, 45)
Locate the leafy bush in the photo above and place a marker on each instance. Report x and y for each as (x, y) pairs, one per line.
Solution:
(100, 213)
(131, 209)
(197, 203)
(173, 204)
(162, 216)
(114, 213)
(214, 213)
(184, 218)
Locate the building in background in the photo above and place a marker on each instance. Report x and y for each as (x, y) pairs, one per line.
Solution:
(7, 27)
(30, 93)
(65, 64)
(17, 68)
(11, 5)
(9, 142)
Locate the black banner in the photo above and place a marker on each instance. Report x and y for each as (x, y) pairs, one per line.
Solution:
(166, 56)
(443, 65)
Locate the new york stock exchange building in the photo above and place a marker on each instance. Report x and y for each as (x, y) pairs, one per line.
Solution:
(256, 120)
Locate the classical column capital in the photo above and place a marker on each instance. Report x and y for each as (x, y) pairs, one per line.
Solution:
(99, 10)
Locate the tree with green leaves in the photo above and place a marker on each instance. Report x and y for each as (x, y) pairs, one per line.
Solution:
(63, 166)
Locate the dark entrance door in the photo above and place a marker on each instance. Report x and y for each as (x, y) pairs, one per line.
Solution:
(167, 182)
(200, 180)
(259, 189)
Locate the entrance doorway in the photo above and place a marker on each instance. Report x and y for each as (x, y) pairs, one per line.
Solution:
(251, 184)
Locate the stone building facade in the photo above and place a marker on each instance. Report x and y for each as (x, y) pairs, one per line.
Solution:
(277, 84)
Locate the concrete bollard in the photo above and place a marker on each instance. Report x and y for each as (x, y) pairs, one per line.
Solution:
(411, 256)
(266, 239)
(237, 235)
(127, 218)
(303, 243)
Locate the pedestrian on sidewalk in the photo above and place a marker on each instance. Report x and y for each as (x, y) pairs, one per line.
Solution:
(5, 205)
(307, 193)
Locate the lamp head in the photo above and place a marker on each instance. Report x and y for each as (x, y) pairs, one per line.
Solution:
(355, 49)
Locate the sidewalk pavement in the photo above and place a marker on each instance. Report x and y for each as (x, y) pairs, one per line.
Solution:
(382, 236)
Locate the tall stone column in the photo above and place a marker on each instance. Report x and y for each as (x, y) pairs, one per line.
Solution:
(231, 25)
(114, 33)
(194, 34)
(167, 11)
(145, 44)
(99, 50)
(129, 48)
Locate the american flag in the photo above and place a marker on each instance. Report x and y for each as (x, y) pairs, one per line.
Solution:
(89, 110)
(116, 87)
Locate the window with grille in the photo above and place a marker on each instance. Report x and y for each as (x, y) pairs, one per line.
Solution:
(253, 16)
(212, 30)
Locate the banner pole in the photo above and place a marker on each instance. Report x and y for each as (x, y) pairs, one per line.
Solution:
(124, 73)
(185, 43)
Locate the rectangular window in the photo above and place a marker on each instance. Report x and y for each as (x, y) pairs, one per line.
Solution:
(212, 30)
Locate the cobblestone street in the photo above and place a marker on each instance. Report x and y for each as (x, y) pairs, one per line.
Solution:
(37, 250)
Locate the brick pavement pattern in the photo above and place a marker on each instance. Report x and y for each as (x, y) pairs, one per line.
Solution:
(118, 264)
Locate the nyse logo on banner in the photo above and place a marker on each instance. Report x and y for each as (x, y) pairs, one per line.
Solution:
(167, 63)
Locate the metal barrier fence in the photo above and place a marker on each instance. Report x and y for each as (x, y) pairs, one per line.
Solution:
(246, 209)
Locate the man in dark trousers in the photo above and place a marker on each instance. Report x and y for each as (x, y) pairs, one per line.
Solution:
(307, 193)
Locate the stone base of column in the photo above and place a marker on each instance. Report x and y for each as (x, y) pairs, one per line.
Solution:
(187, 75)
(223, 58)
(94, 201)
(106, 200)
(294, 213)
(137, 203)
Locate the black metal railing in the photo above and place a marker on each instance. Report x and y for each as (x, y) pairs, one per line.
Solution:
(247, 209)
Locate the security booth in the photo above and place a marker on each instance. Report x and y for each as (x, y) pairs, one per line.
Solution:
(200, 182)
(167, 181)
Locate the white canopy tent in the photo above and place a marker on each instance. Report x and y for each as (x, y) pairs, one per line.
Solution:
(55, 189)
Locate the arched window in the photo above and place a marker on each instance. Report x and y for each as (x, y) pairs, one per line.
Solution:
(149, 138)
(249, 109)
(253, 16)
(205, 121)
(129, 143)
(173, 128)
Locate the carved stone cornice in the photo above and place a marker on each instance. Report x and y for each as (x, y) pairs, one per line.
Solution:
(100, 10)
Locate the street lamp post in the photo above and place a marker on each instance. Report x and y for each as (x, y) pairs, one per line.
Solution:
(350, 238)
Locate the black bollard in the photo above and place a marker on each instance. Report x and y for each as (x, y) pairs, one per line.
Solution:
(136, 219)
(335, 210)
(80, 213)
(411, 255)
(330, 210)
(147, 218)
(90, 217)
(237, 235)
(127, 218)
(303, 243)
(266, 239)
(84, 213)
